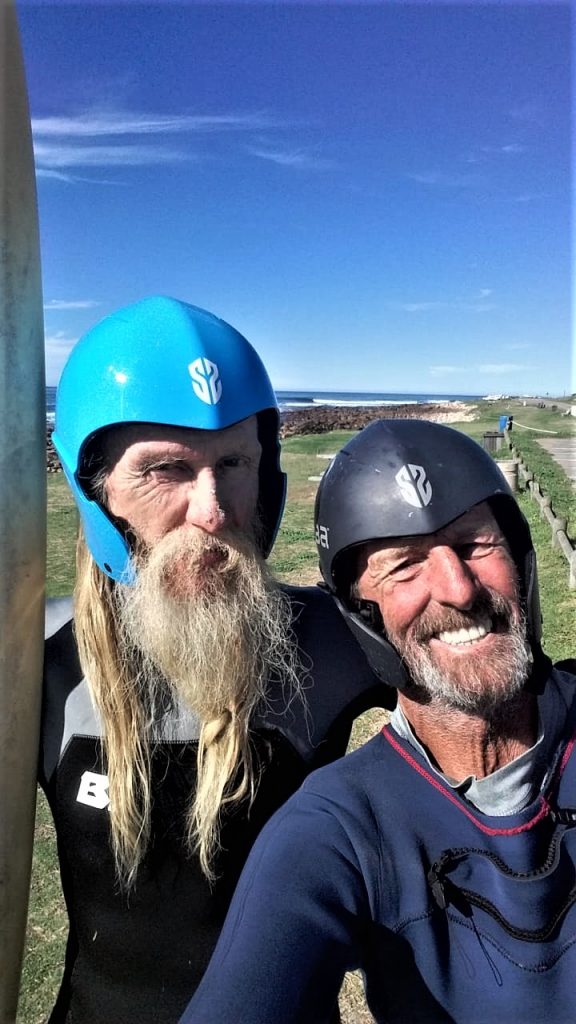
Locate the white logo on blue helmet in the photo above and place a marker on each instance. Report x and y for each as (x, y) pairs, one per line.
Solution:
(414, 484)
(206, 380)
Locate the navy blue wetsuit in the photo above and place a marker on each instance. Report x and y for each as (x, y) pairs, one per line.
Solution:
(136, 958)
(376, 864)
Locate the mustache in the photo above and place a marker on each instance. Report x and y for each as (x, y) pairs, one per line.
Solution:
(488, 605)
(197, 541)
(191, 554)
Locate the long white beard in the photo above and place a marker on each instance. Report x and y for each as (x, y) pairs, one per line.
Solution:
(207, 615)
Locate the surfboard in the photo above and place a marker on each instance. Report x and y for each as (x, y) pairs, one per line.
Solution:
(22, 506)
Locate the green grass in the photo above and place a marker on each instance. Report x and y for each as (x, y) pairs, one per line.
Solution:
(47, 926)
(294, 559)
(488, 416)
(312, 444)
(558, 602)
(553, 481)
(47, 922)
(62, 527)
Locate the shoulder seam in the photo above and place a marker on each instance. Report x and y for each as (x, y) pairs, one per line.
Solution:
(59, 612)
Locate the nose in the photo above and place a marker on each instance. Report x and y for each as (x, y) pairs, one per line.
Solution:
(204, 510)
(451, 581)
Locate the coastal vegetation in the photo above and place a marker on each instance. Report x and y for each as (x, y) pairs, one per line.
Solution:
(295, 560)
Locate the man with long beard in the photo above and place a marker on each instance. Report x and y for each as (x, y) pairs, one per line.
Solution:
(190, 694)
(440, 858)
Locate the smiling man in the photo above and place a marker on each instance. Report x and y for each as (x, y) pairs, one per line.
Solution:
(187, 694)
(440, 858)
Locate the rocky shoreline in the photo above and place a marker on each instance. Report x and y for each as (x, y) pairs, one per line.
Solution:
(52, 460)
(321, 419)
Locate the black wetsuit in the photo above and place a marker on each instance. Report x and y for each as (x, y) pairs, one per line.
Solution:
(138, 957)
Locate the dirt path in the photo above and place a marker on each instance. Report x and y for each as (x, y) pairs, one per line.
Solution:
(563, 450)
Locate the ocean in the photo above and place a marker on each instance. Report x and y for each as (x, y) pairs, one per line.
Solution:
(308, 399)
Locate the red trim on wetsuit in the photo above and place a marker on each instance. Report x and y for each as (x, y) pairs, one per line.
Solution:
(542, 813)
(566, 755)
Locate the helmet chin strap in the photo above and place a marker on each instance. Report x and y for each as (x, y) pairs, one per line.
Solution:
(541, 669)
(370, 613)
(368, 629)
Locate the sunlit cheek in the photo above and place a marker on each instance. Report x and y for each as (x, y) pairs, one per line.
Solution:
(401, 606)
(156, 518)
(499, 574)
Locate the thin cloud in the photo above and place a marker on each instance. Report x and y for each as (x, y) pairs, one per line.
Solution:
(63, 304)
(530, 197)
(419, 307)
(509, 149)
(60, 341)
(485, 292)
(445, 371)
(84, 139)
(492, 369)
(58, 155)
(73, 179)
(295, 158)
(533, 113)
(466, 306)
(57, 347)
(476, 307)
(44, 172)
(440, 179)
(99, 124)
(502, 368)
(485, 154)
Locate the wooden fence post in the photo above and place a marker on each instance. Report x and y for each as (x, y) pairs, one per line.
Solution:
(558, 526)
(572, 578)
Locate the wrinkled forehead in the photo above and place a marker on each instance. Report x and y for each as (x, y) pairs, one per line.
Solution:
(118, 440)
(479, 520)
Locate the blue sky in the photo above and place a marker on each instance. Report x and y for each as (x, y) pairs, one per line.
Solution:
(377, 196)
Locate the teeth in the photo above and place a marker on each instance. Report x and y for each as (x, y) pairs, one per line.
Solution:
(466, 636)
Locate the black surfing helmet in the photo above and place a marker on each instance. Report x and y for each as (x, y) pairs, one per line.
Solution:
(406, 478)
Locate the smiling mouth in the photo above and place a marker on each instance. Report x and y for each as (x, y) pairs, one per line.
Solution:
(464, 637)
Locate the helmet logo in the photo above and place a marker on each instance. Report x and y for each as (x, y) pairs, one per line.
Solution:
(321, 536)
(415, 485)
(206, 380)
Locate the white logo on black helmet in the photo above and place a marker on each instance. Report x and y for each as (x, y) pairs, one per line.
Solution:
(321, 535)
(415, 485)
(206, 380)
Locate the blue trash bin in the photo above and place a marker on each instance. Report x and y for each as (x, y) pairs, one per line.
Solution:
(503, 422)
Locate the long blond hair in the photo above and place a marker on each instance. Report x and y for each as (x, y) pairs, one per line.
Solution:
(227, 772)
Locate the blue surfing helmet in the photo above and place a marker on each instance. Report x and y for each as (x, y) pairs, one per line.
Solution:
(162, 361)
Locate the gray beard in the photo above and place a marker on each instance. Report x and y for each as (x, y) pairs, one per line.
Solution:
(488, 685)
